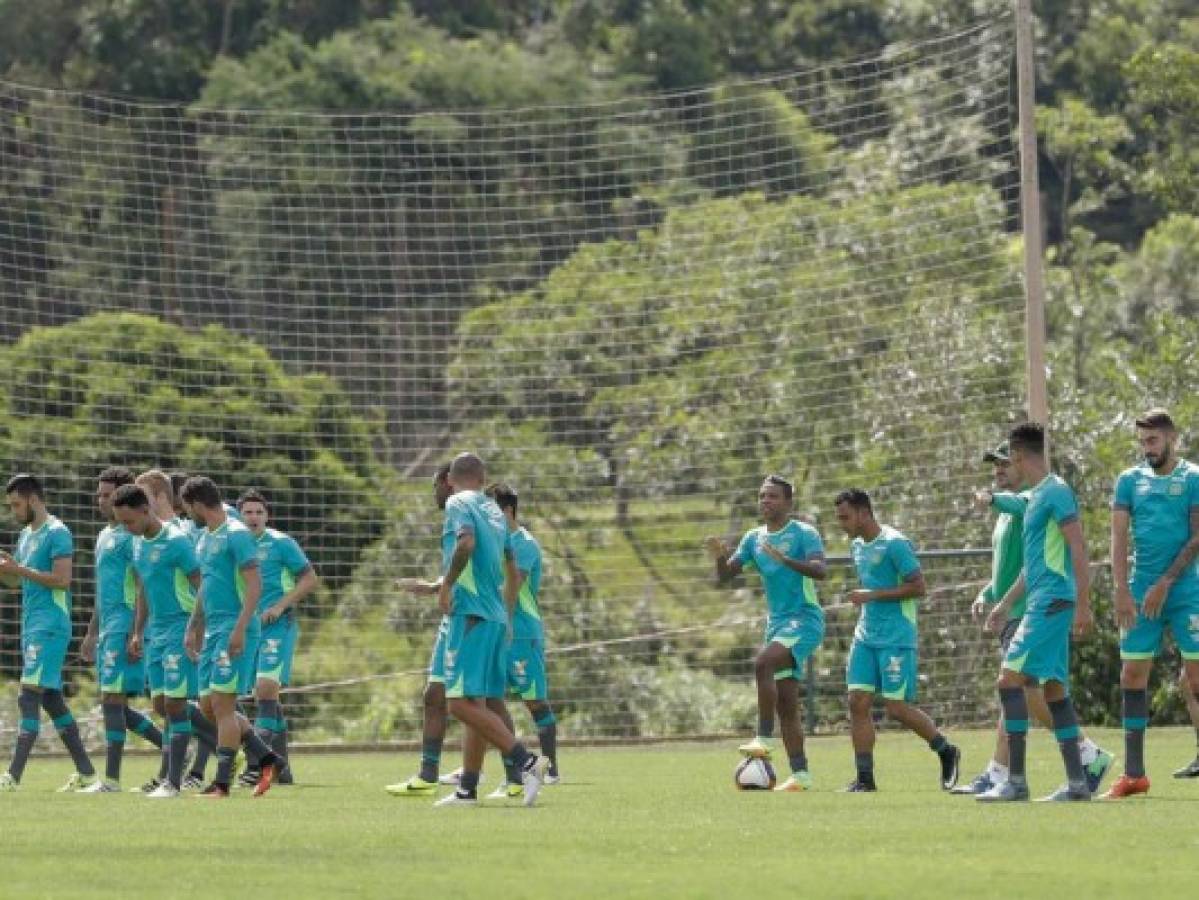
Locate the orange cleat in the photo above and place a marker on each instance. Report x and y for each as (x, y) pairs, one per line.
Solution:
(265, 779)
(1127, 786)
(214, 791)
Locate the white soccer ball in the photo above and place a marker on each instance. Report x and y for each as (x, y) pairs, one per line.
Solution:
(754, 774)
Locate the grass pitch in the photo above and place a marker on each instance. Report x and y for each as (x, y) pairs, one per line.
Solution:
(653, 822)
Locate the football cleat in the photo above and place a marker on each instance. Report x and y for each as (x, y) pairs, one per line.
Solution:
(857, 786)
(1067, 793)
(458, 799)
(1005, 792)
(951, 760)
(798, 783)
(8, 784)
(1098, 769)
(413, 787)
(506, 791)
(1190, 770)
(76, 783)
(533, 777)
(758, 748)
(149, 787)
(214, 791)
(1127, 786)
(102, 786)
(165, 791)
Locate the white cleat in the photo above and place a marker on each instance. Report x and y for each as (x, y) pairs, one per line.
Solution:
(77, 783)
(454, 779)
(553, 779)
(165, 791)
(533, 777)
(506, 791)
(456, 799)
(102, 786)
(8, 784)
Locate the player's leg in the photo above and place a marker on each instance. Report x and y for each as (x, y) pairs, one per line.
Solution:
(997, 769)
(862, 676)
(475, 670)
(791, 731)
(54, 655)
(1066, 730)
(1014, 703)
(900, 677)
(195, 776)
(510, 786)
(1139, 646)
(772, 658)
(29, 706)
(271, 666)
(1189, 695)
(547, 734)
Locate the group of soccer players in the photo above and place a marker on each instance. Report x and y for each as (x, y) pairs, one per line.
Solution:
(193, 606)
(1038, 597)
(192, 603)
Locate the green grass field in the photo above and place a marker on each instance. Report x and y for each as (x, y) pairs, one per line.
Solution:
(660, 821)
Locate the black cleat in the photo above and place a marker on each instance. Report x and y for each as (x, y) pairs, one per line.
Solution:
(1190, 770)
(951, 758)
(858, 786)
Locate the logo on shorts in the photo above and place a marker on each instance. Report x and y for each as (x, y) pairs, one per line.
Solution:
(449, 658)
(1193, 627)
(895, 666)
(31, 654)
(271, 645)
(222, 659)
(519, 667)
(170, 662)
(110, 658)
(155, 555)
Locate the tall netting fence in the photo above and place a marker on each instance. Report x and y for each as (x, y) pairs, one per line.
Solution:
(631, 309)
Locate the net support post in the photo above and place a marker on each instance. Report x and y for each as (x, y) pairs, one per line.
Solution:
(1030, 218)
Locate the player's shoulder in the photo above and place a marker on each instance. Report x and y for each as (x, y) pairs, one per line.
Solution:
(1187, 469)
(523, 537)
(800, 527)
(460, 501)
(1134, 473)
(55, 525)
(237, 527)
(892, 535)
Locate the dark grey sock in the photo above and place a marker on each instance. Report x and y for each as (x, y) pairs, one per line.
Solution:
(141, 725)
(799, 762)
(766, 728)
(1065, 729)
(224, 765)
(520, 755)
(203, 752)
(1015, 724)
(114, 736)
(29, 704)
(181, 735)
(1136, 720)
(430, 759)
(469, 784)
(547, 739)
(938, 743)
(511, 773)
(164, 763)
(864, 763)
(68, 732)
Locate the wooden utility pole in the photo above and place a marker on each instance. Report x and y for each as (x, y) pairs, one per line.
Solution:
(1030, 218)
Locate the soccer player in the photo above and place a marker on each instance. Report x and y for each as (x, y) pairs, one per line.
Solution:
(42, 567)
(224, 628)
(164, 562)
(1158, 502)
(107, 640)
(287, 578)
(1001, 606)
(433, 728)
(789, 556)
(476, 535)
(882, 657)
(1057, 583)
(527, 677)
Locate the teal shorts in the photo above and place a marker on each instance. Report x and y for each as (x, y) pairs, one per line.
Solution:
(475, 652)
(169, 670)
(1180, 612)
(437, 658)
(800, 637)
(276, 647)
(526, 669)
(227, 674)
(1040, 648)
(115, 671)
(44, 654)
(890, 672)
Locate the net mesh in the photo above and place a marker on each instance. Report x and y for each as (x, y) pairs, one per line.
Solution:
(631, 309)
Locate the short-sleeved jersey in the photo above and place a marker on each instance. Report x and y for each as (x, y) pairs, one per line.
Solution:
(483, 576)
(883, 563)
(116, 587)
(222, 554)
(43, 608)
(789, 594)
(1048, 566)
(1160, 507)
(188, 527)
(280, 563)
(163, 564)
(526, 618)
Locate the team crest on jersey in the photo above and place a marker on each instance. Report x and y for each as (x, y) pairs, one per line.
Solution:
(1176, 488)
(155, 555)
(1144, 487)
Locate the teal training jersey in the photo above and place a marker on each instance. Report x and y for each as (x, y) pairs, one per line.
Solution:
(116, 588)
(43, 608)
(526, 619)
(883, 563)
(280, 563)
(188, 527)
(163, 564)
(1048, 567)
(483, 576)
(1160, 507)
(222, 554)
(789, 594)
